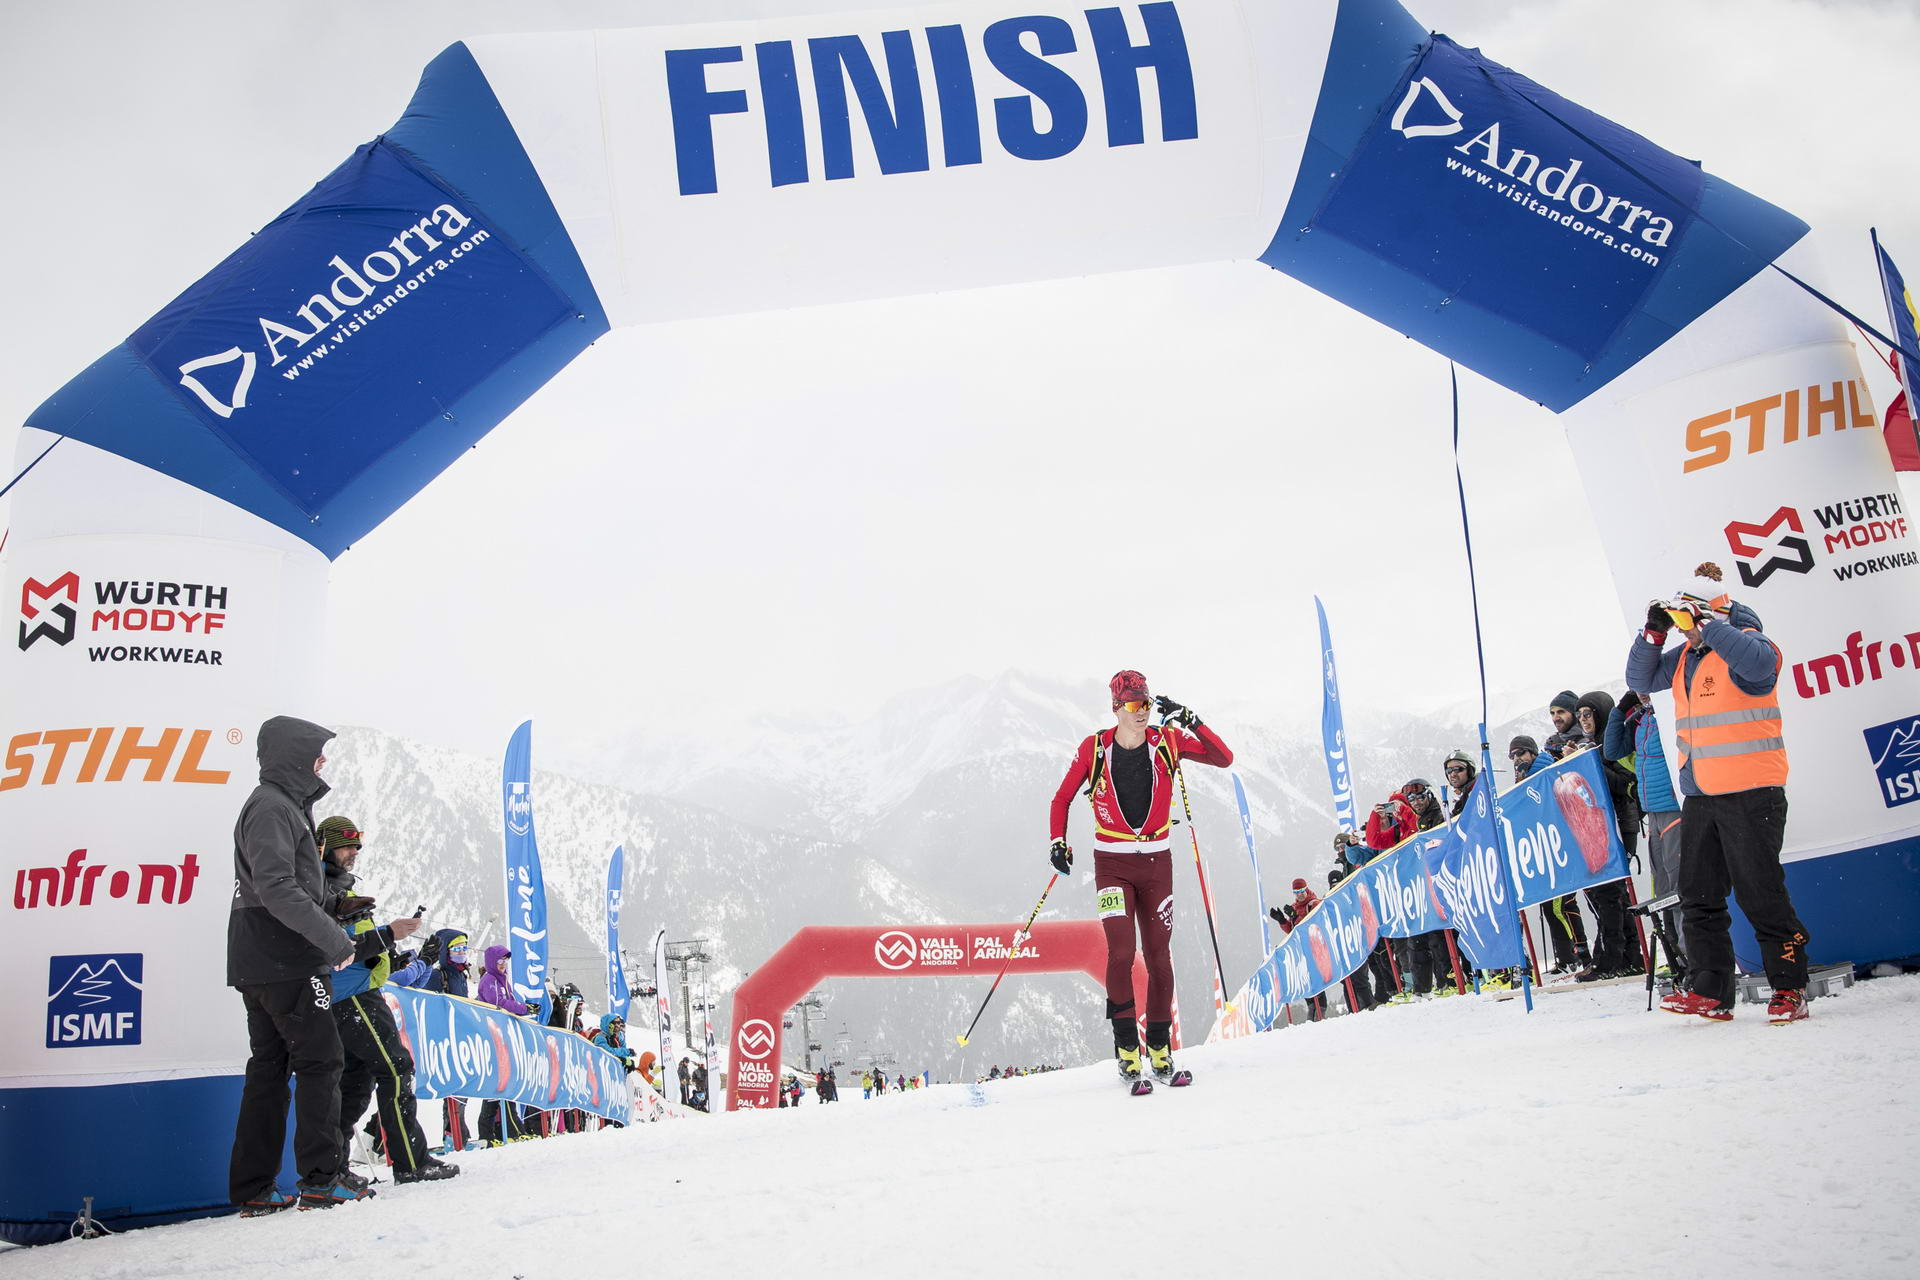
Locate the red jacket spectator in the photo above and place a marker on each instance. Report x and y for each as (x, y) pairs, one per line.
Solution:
(1384, 832)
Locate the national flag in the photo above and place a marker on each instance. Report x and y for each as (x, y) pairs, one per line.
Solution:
(1903, 439)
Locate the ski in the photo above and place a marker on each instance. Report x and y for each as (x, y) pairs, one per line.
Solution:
(1178, 1080)
(1139, 1088)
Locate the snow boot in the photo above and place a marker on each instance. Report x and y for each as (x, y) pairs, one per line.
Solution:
(1787, 1006)
(1160, 1058)
(1686, 1002)
(339, 1189)
(430, 1170)
(272, 1200)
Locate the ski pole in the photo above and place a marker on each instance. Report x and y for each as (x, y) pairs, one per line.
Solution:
(1206, 897)
(1019, 936)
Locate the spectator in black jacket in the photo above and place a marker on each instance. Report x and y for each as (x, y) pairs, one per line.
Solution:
(1616, 952)
(282, 943)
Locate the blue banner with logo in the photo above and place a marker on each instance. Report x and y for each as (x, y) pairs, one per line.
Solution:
(526, 888)
(1560, 828)
(618, 997)
(1333, 731)
(465, 1049)
(1559, 836)
(1253, 856)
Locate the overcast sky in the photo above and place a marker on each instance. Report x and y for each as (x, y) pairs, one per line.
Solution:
(820, 508)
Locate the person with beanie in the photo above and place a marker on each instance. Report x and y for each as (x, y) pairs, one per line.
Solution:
(1617, 952)
(1732, 751)
(1564, 711)
(1633, 737)
(1304, 901)
(1524, 753)
(442, 966)
(500, 1122)
(378, 1064)
(1566, 929)
(1130, 772)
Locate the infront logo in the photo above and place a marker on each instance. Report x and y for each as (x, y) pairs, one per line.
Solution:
(1420, 87)
(894, 949)
(755, 1039)
(59, 628)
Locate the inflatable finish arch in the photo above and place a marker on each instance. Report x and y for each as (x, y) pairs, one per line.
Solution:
(889, 951)
(537, 190)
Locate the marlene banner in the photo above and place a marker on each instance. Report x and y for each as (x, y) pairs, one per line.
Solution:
(1558, 833)
(464, 1049)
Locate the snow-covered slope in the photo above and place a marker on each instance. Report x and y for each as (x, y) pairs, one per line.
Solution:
(1461, 1138)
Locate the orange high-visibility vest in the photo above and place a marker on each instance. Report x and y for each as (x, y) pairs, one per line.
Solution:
(1733, 739)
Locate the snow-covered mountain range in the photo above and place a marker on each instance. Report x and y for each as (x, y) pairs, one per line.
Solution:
(933, 809)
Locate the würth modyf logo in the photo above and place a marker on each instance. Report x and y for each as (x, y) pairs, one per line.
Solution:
(894, 949)
(755, 1039)
(1777, 543)
(93, 1000)
(47, 609)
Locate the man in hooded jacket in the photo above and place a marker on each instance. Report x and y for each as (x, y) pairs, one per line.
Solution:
(282, 943)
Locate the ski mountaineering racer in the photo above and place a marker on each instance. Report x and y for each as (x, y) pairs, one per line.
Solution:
(1129, 775)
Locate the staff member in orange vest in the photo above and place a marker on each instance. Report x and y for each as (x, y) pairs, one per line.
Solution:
(1128, 770)
(1733, 773)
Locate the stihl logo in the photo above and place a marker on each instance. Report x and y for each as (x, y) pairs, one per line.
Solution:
(1764, 548)
(894, 950)
(60, 617)
(755, 1039)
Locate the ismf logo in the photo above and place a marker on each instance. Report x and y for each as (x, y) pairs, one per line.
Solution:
(1895, 748)
(47, 609)
(93, 1000)
(894, 949)
(755, 1039)
(1776, 544)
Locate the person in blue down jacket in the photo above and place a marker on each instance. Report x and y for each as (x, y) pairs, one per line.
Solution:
(1633, 739)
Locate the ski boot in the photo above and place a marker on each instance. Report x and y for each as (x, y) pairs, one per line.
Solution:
(1160, 1057)
(340, 1189)
(272, 1200)
(1787, 1006)
(1130, 1076)
(429, 1170)
(1686, 1003)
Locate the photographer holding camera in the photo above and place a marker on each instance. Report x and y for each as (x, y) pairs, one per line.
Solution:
(1732, 753)
(376, 1059)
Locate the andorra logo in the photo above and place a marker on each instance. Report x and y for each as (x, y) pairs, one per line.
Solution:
(1440, 100)
(894, 949)
(755, 1039)
(242, 382)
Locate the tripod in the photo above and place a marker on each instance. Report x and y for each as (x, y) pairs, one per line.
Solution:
(1658, 912)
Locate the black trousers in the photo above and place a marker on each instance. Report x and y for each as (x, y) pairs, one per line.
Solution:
(499, 1121)
(1732, 843)
(289, 1030)
(1618, 946)
(377, 1064)
(1566, 930)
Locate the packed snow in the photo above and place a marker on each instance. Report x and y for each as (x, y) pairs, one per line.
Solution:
(1459, 1137)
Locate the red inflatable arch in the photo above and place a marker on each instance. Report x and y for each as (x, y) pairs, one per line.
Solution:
(895, 951)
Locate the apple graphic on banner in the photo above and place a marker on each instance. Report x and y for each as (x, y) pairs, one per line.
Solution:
(1433, 896)
(593, 1082)
(400, 1024)
(502, 1059)
(553, 1068)
(1585, 818)
(1322, 958)
(1369, 918)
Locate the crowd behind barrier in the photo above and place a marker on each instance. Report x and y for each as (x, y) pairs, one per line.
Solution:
(1426, 899)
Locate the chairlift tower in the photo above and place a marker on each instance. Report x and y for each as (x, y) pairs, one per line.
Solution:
(687, 957)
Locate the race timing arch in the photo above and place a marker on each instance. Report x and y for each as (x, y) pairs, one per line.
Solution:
(980, 951)
(166, 555)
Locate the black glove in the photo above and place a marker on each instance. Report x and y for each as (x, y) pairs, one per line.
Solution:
(371, 945)
(402, 959)
(1278, 913)
(1659, 621)
(1628, 704)
(1286, 909)
(1173, 713)
(430, 951)
(1061, 856)
(351, 905)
